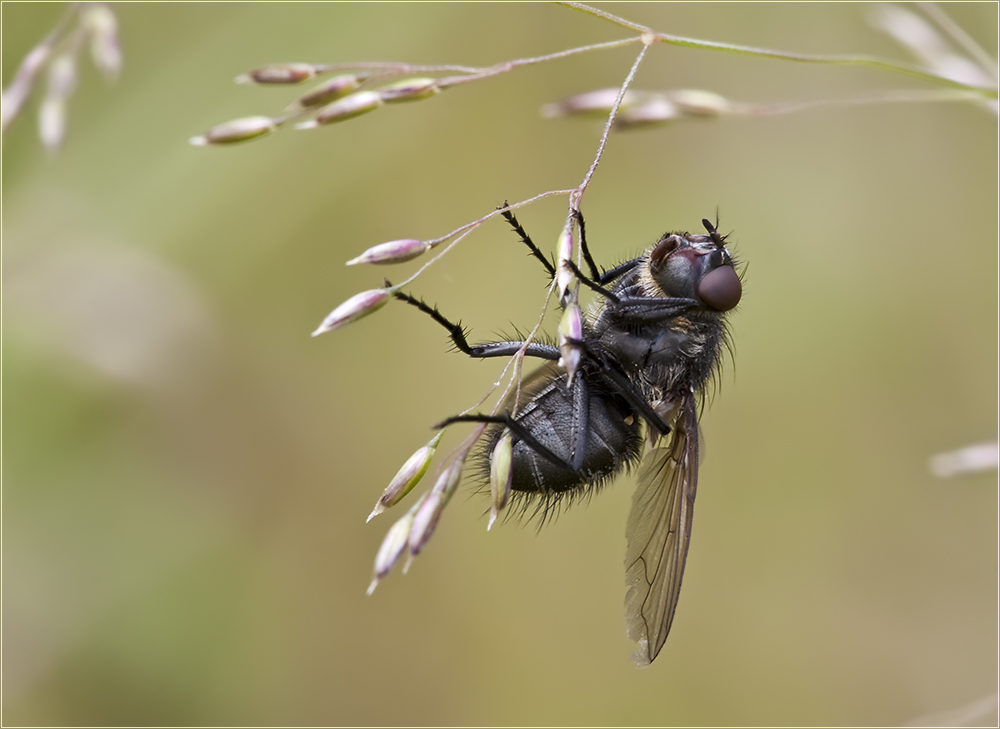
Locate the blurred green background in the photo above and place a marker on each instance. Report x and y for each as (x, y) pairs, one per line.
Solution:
(187, 473)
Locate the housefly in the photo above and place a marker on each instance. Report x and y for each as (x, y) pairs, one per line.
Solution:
(649, 346)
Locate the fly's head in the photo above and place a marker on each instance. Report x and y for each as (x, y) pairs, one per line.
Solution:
(696, 267)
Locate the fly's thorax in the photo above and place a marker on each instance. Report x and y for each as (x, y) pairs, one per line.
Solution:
(667, 358)
(664, 351)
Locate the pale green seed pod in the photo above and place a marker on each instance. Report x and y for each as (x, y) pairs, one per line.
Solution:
(501, 476)
(971, 459)
(564, 275)
(392, 548)
(19, 89)
(330, 90)
(395, 251)
(693, 102)
(349, 107)
(279, 73)
(407, 477)
(411, 89)
(52, 122)
(62, 76)
(52, 112)
(653, 113)
(570, 330)
(105, 46)
(237, 130)
(595, 104)
(356, 307)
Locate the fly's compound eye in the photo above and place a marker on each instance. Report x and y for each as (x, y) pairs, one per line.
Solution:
(721, 288)
(663, 249)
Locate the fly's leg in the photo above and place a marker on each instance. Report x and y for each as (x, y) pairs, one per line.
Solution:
(596, 275)
(490, 349)
(624, 386)
(526, 239)
(591, 283)
(514, 427)
(595, 272)
(618, 271)
(640, 309)
(581, 423)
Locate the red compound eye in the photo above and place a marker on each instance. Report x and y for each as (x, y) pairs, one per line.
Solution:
(721, 289)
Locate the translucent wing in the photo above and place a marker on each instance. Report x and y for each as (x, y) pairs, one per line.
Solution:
(659, 529)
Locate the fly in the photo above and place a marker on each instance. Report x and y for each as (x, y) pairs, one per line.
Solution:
(646, 351)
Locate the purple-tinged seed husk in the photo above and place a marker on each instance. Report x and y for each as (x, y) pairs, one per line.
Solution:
(395, 251)
(664, 108)
(590, 104)
(354, 308)
(407, 477)
(62, 75)
(52, 112)
(964, 461)
(52, 122)
(279, 73)
(19, 89)
(695, 102)
(105, 46)
(570, 331)
(429, 512)
(501, 476)
(656, 112)
(424, 522)
(392, 548)
(411, 89)
(564, 275)
(237, 130)
(349, 107)
(330, 90)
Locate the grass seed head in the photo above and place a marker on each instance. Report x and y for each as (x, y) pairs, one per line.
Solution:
(105, 45)
(411, 89)
(349, 107)
(330, 90)
(501, 476)
(279, 73)
(391, 549)
(395, 251)
(237, 130)
(356, 307)
(570, 332)
(407, 477)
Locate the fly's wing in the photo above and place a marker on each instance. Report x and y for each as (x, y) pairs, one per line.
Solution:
(659, 530)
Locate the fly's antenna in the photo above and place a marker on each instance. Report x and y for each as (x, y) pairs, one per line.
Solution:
(713, 230)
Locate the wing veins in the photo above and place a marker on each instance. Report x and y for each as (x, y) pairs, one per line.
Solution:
(659, 530)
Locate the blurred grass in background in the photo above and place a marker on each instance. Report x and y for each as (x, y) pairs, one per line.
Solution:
(187, 473)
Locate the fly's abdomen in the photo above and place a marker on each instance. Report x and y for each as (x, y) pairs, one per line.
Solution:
(608, 435)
